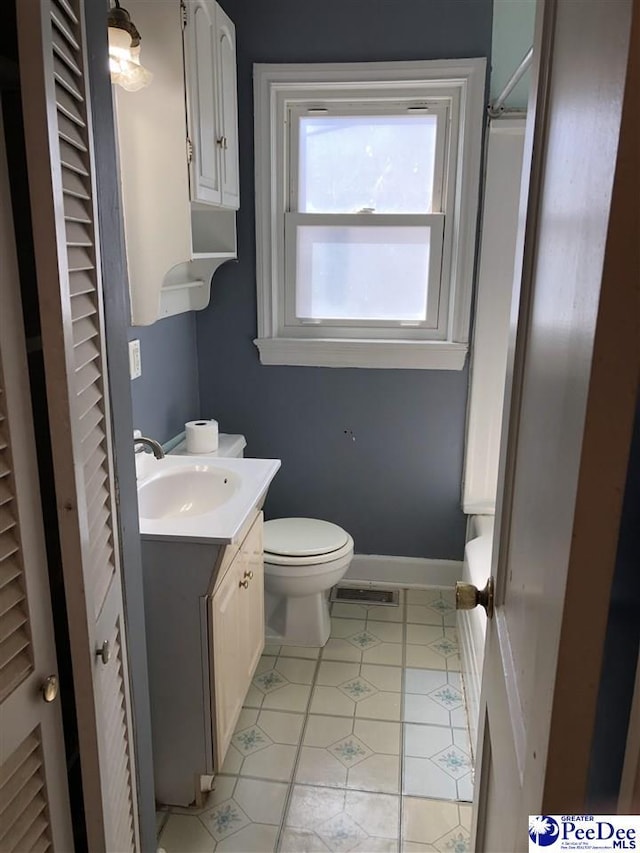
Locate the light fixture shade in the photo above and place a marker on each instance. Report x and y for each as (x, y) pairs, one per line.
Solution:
(124, 52)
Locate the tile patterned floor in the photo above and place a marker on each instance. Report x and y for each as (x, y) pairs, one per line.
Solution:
(362, 745)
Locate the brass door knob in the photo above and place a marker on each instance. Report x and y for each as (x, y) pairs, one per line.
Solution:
(50, 688)
(104, 652)
(469, 596)
(249, 575)
(244, 584)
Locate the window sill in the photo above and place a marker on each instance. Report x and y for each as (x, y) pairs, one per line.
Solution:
(333, 352)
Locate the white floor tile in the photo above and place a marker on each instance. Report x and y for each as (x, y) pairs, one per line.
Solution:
(421, 615)
(296, 670)
(323, 731)
(341, 650)
(380, 706)
(386, 653)
(262, 802)
(426, 821)
(379, 813)
(379, 773)
(281, 726)
(330, 700)
(423, 681)
(423, 656)
(301, 841)
(423, 779)
(388, 632)
(342, 610)
(342, 628)
(224, 819)
(320, 767)
(255, 838)
(311, 652)
(293, 697)
(381, 737)
(422, 709)
(310, 807)
(425, 741)
(184, 832)
(233, 761)
(275, 762)
(424, 634)
(332, 673)
(459, 718)
(386, 614)
(383, 677)
(465, 788)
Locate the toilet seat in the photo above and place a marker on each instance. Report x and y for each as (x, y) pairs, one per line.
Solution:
(304, 542)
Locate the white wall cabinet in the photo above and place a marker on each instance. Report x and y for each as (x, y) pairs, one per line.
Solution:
(204, 609)
(179, 167)
(212, 104)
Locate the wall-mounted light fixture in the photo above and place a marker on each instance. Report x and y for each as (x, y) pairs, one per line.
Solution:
(124, 51)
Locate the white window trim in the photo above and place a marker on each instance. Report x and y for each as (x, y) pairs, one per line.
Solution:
(276, 86)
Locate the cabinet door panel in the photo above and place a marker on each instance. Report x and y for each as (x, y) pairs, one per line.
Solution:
(201, 44)
(228, 112)
(226, 637)
(253, 612)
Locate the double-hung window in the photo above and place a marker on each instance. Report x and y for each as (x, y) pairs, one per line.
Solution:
(366, 206)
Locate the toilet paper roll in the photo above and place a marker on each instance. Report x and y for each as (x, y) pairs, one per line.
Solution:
(201, 436)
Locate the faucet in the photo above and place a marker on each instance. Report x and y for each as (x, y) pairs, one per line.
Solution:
(155, 446)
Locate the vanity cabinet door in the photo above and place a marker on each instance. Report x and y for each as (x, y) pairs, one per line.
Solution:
(253, 599)
(227, 640)
(200, 48)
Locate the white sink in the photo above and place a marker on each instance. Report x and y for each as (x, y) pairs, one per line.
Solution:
(199, 498)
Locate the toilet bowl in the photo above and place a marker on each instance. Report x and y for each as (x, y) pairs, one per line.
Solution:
(303, 559)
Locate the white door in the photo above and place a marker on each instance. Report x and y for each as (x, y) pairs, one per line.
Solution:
(568, 417)
(62, 191)
(34, 802)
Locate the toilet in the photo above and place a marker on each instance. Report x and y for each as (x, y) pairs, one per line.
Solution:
(303, 559)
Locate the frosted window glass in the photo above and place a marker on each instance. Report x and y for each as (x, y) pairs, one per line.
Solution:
(362, 273)
(350, 163)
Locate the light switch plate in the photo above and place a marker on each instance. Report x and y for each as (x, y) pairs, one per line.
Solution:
(135, 362)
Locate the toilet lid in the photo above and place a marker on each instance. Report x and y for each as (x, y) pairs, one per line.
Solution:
(302, 537)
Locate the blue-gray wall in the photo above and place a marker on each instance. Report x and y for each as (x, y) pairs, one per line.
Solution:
(166, 396)
(396, 487)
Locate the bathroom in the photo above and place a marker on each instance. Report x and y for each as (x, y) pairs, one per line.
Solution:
(378, 452)
(383, 453)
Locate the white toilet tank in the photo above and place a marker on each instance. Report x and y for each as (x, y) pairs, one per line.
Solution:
(228, 446)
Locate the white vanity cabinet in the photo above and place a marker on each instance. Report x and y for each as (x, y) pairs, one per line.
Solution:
(204, 613)
(179, 164)
(212, 104)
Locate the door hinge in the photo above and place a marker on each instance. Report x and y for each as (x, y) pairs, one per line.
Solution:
(189, 150)
(183, 13)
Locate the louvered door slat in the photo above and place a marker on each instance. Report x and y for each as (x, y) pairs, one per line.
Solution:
(36, 840)
(8, 546)
(71, 133)
(87, 399)
(13, 620)
(72, 160)
(5, 493)
(10, 596)
(80, 260)
(13, 646)
(82, 306)
(76, 211)
(83, 331)
(85, 353)
(65, 77)
(98, 496)
(92, 443)
(13, 835)
(89, 422)
(68, 9)
(7, 521)
(62, 52)
(78, 235)
(9, 571)
(4, 467)
(60, 20)
(72, 185)
(88, 375)
(80, 282)
(14, 672)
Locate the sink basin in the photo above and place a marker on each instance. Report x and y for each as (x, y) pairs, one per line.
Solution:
(186, 491)
(200, 499)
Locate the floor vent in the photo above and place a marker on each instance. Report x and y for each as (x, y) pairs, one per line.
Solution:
(389, 597)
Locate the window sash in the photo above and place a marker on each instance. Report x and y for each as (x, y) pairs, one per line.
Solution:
(432, 327)
(440, 107)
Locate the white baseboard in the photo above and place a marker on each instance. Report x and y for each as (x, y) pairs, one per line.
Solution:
(403, 571)
(471, 645)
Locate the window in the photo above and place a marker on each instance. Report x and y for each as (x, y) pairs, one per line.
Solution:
(366, 206)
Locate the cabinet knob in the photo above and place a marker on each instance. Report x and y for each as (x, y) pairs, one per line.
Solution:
(249, 575)
(221, 142)
(244, 584)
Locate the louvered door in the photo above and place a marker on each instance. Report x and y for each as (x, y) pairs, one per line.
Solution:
(59, 153)
(34, 807)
